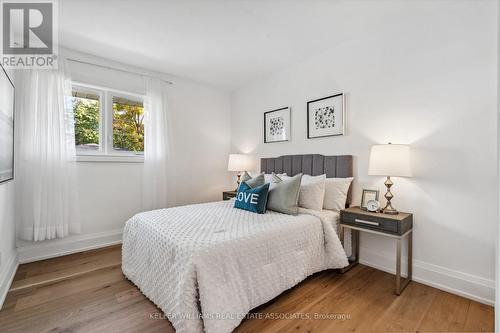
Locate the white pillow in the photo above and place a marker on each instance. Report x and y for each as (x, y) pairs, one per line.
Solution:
(336, 193)
(312, 192)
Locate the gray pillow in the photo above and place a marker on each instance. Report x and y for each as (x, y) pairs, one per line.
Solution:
(244, 177)
(253, 182)
(284, 196)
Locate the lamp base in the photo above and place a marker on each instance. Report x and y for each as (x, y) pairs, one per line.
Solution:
(238, 182)
(388, 209)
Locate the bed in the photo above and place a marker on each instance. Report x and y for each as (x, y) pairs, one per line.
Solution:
(207, 265)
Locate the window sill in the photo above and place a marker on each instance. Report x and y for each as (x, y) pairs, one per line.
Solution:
(111, 158)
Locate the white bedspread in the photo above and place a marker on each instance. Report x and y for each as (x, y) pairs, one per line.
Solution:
(207, 265)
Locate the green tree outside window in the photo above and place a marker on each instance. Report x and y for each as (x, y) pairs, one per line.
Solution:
(128, 127)
(86, 113)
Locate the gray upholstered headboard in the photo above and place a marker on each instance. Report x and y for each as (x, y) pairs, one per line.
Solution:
(311, 164)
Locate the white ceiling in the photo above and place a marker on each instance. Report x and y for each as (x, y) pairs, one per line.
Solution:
(225, 43)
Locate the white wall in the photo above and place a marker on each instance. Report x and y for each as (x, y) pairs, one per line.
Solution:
(111, 193)
(8, 256)
(426, 75)
(7, 226)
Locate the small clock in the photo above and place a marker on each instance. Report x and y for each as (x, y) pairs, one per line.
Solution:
(372, 205)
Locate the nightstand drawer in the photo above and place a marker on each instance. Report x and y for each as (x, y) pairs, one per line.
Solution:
(370, 222)
(392, 224)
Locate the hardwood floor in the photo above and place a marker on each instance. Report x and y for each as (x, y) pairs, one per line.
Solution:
(86, 292)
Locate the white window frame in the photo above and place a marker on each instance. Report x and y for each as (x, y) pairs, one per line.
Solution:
(106, 151)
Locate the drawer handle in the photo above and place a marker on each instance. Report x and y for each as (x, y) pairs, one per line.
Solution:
(367, 222)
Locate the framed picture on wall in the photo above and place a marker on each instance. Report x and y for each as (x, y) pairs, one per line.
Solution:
(277, 125)
(326, 117)
(6, 127)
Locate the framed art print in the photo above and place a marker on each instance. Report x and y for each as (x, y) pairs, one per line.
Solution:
(6, 127)
(326, 117)
(277, 125)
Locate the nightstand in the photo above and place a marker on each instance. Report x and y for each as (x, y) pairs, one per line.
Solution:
(226, 195)
(394, 226)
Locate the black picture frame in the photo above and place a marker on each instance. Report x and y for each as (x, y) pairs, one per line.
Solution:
(266, 139)
(309, 135)
(363, 197)
(3, 72)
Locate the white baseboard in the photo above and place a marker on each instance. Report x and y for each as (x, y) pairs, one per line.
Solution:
(456, 282)
(7, 276)
(34, 251)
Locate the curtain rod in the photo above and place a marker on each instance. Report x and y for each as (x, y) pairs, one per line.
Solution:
(116, 69)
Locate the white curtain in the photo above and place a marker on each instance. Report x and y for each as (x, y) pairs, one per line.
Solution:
(156, 145)
(46, 188)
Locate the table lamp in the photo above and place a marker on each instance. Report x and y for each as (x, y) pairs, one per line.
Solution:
(239, 163)
(389, 160)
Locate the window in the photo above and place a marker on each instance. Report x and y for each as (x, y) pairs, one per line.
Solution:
(128, 125)
(86, 108)
(107, 123)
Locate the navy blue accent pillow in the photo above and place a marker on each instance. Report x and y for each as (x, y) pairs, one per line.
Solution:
(252, 199)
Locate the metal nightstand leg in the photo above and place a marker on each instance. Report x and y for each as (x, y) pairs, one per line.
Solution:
(400, 282)
(354, 248)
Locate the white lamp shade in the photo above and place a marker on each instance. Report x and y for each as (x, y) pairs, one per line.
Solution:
(239, 162)
(390, 160)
